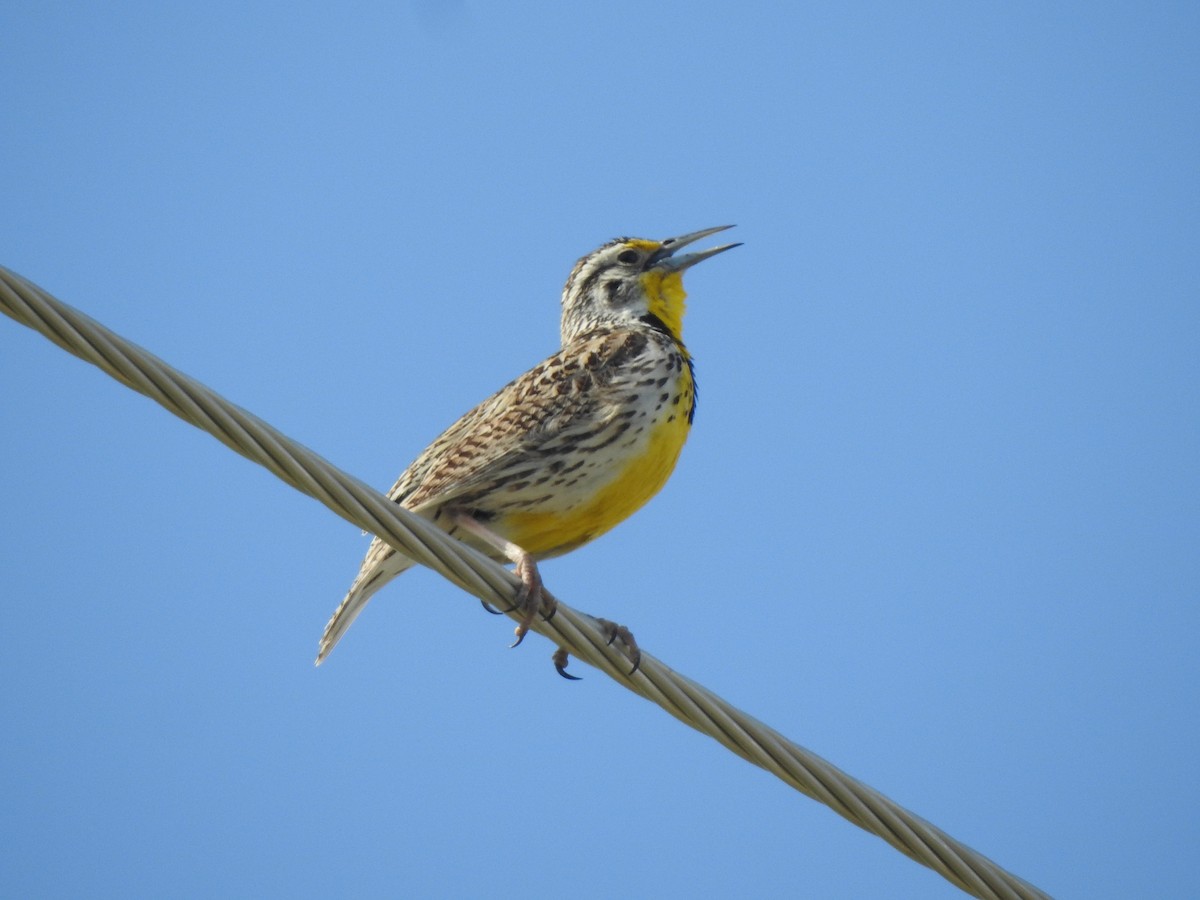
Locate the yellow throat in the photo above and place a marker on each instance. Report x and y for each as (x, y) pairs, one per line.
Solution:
(667, 299)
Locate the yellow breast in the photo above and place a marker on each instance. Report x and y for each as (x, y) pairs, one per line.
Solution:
(633, 478)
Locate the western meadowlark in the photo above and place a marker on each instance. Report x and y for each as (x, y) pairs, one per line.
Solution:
(572, 447)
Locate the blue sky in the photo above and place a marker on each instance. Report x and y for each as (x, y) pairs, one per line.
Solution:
(938, 518)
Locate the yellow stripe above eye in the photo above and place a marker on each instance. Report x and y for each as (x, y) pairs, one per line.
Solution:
(641, 244)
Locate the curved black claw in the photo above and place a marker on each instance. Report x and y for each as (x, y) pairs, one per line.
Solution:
(525, 599)
(532, 602)
(489, 608)
(561, 658)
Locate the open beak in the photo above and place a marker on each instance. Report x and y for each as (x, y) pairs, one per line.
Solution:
(665, 258)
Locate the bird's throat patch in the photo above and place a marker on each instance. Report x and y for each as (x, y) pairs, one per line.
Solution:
(666, 296)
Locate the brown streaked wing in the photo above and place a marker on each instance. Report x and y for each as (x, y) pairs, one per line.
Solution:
(565, 391)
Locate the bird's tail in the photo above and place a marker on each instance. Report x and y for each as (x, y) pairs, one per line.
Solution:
(380, 566)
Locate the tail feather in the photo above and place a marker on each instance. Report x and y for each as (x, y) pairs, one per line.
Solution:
(380, 566)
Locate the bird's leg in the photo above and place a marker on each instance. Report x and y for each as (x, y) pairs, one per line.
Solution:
(531, 597)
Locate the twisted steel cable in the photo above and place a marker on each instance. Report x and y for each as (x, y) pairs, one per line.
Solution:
(577, 633)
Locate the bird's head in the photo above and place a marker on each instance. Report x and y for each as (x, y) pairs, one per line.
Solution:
(631, 280)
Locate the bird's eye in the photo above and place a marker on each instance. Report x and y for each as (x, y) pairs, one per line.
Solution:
(628, 256)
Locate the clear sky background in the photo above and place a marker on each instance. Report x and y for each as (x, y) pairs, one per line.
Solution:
(938, 520)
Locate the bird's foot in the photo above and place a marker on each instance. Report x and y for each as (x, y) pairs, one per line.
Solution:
(629, 646)
(614, 633)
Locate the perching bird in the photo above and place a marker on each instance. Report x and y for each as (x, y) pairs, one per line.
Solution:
(574, 446)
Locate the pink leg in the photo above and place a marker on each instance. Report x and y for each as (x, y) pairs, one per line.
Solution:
(530, 597)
